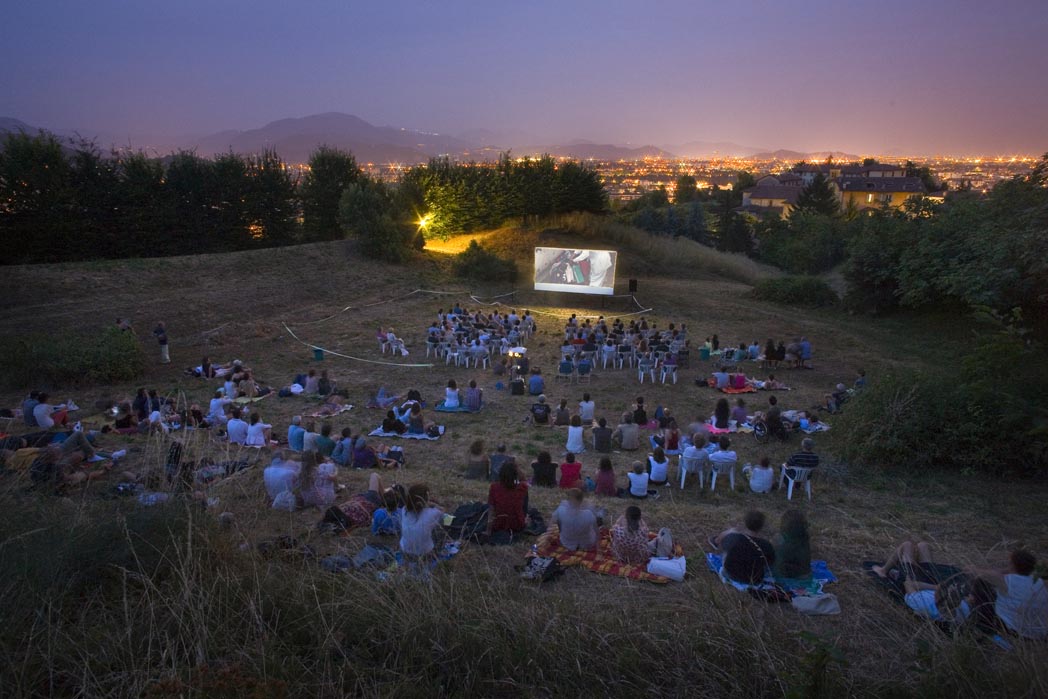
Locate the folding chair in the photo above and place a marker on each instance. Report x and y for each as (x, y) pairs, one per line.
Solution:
(690, 465)
(719, 469)
(800, 475)
(566, 370)
(584, 371)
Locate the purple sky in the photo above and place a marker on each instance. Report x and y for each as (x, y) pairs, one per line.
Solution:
(915, 77)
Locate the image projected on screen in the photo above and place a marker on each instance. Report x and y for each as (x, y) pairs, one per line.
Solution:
(575, 271)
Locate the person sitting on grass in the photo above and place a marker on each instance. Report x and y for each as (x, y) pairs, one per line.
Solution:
(748, 559)
(540, 412)
(721, 414)
(627, 435)
(536, 384)
(309, 437)
(577, 522)
(325, 445)
(762, 476)
(258, 432)
(924, 593)
(332, 405)
(562, 416)
(752, 524)
(507, 501)
(738, 413)
(317, 481)
(478, 464)
(658, 467)
(343, 452)
(236, 428)
(47, 415)
(640, 414)
(1022, 598)
(575, 443)
(602, 437)
(629, 538)
(638, 478)
(570, 472)
(451, 395)
(125, 422)
(587, 409)
(544, 471)
(418, 518)
(605, 480)
(793, 547)
(474, 397)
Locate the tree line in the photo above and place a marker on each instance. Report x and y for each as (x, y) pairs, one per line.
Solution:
(61, 201)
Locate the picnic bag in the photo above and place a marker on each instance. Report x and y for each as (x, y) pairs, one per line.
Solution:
(672, 568)
(664, 543)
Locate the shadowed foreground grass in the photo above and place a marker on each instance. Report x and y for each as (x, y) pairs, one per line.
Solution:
(104, 601)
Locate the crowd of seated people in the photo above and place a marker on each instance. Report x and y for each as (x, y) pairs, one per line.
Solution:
(476, 335)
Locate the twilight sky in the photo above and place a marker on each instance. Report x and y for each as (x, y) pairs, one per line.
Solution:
(911, 77)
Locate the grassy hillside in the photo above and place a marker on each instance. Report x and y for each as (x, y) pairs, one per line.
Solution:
(110, 600)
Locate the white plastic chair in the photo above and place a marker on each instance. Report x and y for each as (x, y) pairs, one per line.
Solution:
(800, 475)
(480, 356)
(719, 468)
(690, 465)
(645, 366)
(670, 370)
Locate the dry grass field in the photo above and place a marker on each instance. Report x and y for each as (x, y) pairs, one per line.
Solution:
(696, 637)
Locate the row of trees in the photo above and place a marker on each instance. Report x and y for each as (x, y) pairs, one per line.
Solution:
(61, 202)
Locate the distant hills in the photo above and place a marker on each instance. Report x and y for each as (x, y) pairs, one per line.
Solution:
(295, 138)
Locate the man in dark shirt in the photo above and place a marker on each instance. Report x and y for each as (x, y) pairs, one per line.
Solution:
(602, 437)
(805, 458)
(540, 412)
(773, 418)
(747, 558)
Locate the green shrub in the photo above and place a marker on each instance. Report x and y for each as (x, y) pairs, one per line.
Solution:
(71, 360)
(974, 418)
(479, 264)
(795, 291)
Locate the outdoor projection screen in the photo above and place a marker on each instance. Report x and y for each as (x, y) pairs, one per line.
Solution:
(575, 271)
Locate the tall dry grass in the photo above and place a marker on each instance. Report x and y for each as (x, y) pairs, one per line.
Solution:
(104, 599)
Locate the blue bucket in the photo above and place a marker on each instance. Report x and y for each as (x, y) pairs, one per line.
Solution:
(318, 354)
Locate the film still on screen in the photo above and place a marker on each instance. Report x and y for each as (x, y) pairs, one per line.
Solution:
(575, 271)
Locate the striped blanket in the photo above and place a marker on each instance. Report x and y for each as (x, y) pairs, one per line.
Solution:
(600, 560)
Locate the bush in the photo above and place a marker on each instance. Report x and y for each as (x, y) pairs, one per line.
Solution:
(50, 361)
(955, 420)
(795, 291)
(479, 264)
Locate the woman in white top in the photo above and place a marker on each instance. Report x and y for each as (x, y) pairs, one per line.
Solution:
(587, 409)
(639, 482)
(658, 467)
(257, 432)
(451, 395)
(577, 523)
(417, 521)
(575, 443)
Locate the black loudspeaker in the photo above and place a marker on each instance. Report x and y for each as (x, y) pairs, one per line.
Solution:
(516, 387)
(633, 286)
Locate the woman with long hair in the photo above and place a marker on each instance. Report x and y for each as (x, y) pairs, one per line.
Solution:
(629, 537)
(793, 547)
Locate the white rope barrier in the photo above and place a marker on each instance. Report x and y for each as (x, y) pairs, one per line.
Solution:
(347, 356)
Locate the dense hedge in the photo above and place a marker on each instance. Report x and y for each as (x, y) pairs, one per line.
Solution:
(52, 361)
(479, 264)
(795, 291)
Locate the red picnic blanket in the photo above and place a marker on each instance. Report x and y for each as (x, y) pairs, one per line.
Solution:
(747, 389)
(600, 560)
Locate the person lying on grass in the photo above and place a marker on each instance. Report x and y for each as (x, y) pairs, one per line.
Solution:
(357, 510)
(924, 593)
(365, 456)
(58, 466)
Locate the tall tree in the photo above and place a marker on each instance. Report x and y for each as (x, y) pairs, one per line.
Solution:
(819, 197)
(271, 202)
(687, 190)
(36, 198)
(330, 172)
